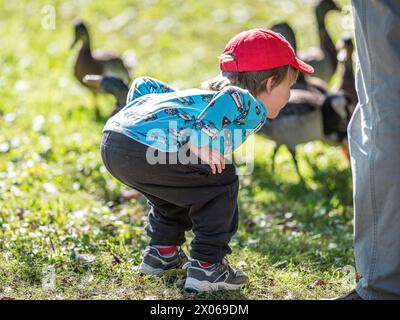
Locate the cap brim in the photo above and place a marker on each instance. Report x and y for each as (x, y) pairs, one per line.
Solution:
(302, 66)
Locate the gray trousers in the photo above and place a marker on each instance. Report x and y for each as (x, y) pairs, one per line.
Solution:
(374, 139)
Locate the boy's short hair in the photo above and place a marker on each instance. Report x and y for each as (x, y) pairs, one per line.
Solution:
(254, 81)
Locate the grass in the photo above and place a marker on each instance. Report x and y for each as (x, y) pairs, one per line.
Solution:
(64, 235)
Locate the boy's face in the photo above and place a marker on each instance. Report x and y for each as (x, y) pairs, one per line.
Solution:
(276, 98)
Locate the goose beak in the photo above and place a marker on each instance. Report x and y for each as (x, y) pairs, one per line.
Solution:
(93, 80)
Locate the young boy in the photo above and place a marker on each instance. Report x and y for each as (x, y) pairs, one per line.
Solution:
(258, 67)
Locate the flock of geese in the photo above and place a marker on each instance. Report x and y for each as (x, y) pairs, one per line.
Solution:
(313, 112)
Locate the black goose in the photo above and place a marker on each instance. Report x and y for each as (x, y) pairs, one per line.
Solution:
(324, 57)
(311, 114)
(308, 117)
(304, 82)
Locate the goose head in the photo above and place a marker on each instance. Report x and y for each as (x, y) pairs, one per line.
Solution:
(323, 7)
(117, 88)
(287, 32)
(109, 84)
(81, 33)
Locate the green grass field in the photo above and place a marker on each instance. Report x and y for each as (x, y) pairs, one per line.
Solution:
(63, 234)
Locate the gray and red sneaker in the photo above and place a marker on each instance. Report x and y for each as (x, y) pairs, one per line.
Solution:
(204, 277)
(157, 259)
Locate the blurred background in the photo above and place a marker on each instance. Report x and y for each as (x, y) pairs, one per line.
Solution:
(67, 231)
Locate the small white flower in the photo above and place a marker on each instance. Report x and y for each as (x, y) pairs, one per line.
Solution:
(50, 188)
(37, 123)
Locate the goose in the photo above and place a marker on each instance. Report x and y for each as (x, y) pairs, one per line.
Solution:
(308, 117)
(310, 103)
(99, 62)
(304, 82)
(323, 58)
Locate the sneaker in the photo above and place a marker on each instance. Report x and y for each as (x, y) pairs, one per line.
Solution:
(155, 262)
(203, 277)
(352, 295)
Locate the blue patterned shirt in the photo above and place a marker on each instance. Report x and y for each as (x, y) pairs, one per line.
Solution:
(160, 116)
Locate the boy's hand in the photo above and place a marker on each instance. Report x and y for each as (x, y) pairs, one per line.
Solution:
(212, 157)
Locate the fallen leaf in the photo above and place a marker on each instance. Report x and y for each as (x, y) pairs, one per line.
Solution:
(316, 283)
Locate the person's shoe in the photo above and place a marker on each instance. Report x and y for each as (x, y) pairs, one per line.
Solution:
(157, 260)
(352, 295)
(204, 277)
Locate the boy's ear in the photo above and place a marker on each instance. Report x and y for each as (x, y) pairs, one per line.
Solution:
(268, 84)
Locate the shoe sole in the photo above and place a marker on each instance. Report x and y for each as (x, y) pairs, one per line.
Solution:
(147, 269)
(194, 285)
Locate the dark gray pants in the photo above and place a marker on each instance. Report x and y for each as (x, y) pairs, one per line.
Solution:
(374, 138)
(181, 197)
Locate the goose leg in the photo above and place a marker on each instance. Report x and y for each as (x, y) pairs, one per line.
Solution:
(96, 107)
(273, 157)
(294, 156)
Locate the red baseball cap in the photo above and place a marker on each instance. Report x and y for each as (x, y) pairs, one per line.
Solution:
(260, 49)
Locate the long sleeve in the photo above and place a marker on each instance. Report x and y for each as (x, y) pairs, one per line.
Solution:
(230, 117)
(145, 85)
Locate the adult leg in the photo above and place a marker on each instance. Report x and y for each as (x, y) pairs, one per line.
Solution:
(374, 139)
